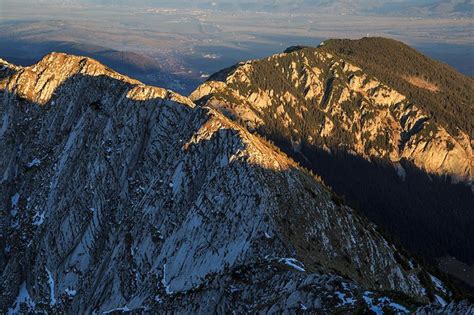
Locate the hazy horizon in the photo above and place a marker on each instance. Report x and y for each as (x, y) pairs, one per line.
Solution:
(189, 40)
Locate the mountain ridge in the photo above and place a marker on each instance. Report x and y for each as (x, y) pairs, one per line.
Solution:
(132, 185)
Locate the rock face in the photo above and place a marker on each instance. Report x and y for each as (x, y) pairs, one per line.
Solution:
(310, 95)
(118, 196)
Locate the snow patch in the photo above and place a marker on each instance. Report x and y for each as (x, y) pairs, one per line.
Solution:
(376, 305)
(70, 292)
(165, 284)
(38, 219)
(23, 297)
(345, 300)
(51, 287)
(438, 283)
(177, 179)
(399, 307)
(14, 202)
(294, 263)
(119, 309)
(34, 162)
(370, 303)
(15, 199)
(440, 300)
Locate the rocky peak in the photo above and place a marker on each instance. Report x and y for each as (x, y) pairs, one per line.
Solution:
(314, 96)
(38, 82)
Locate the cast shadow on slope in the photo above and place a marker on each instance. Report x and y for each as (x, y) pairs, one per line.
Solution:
(428, 213)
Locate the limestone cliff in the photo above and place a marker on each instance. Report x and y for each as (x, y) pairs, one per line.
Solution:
(310, 95)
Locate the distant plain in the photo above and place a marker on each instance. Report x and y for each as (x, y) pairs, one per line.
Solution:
(179, 47)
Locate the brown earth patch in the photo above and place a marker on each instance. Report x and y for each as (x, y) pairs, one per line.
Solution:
(421, 83)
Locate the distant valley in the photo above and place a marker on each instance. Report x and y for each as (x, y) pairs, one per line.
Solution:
(175, 45)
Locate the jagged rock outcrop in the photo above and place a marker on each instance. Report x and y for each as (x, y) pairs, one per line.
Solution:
(311, 95)
(118, 196)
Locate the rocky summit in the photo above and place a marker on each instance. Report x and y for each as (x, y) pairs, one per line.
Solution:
(328, 97)
(119, 197)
